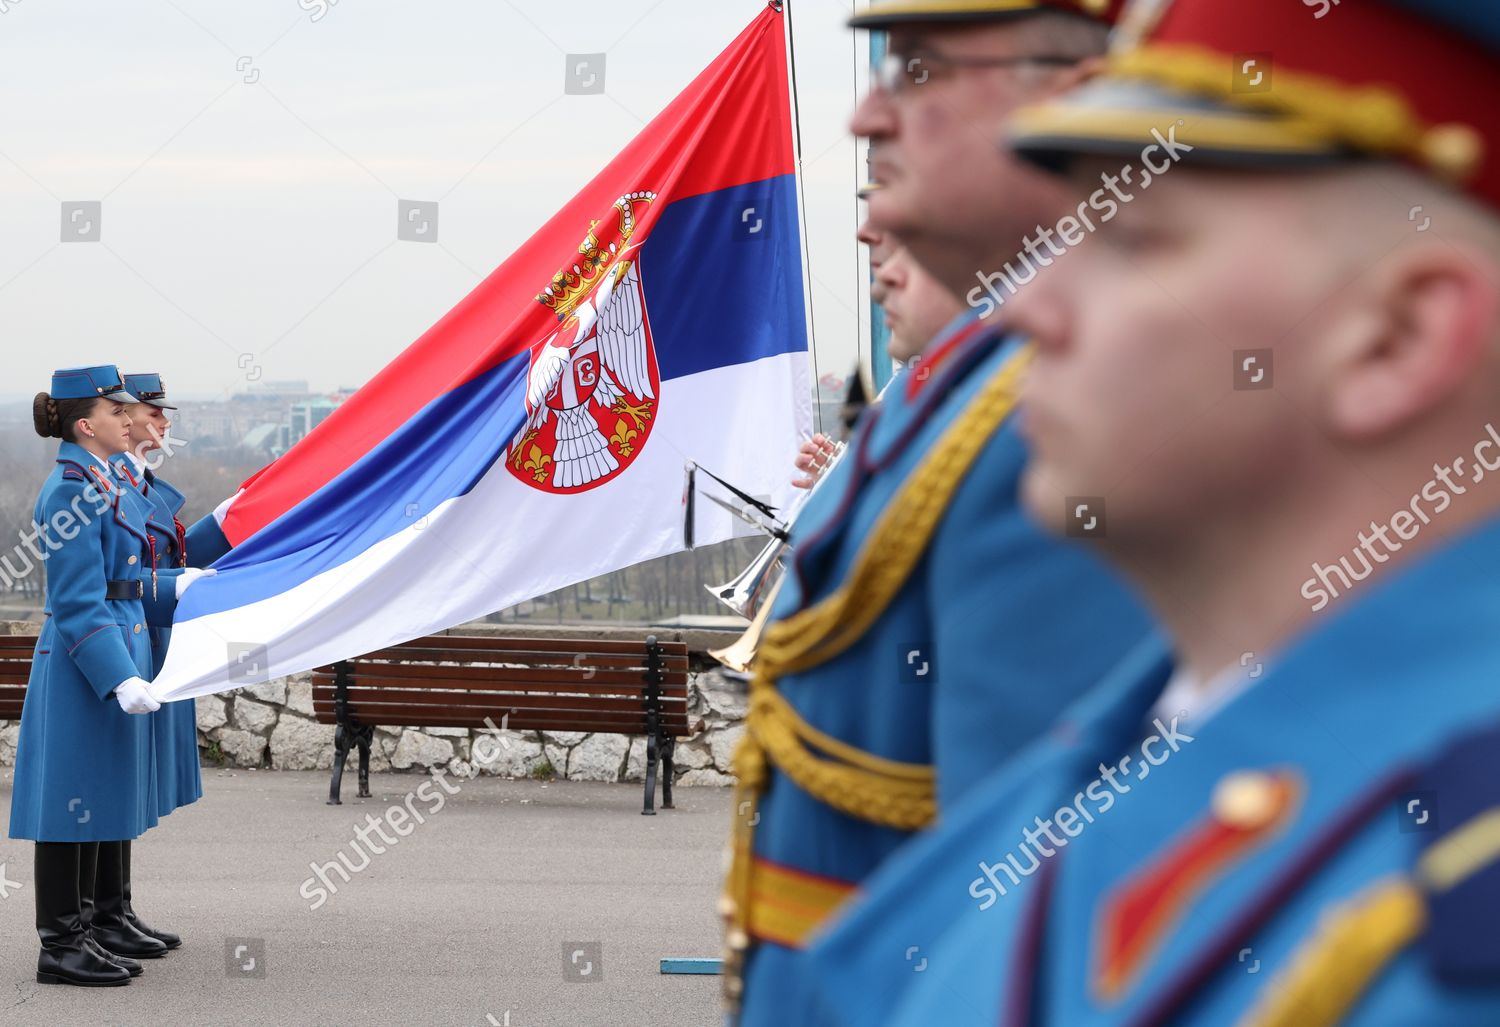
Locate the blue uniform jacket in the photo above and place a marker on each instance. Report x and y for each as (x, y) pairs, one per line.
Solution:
(179, 778)
(997, 629)
(1367, 716)
(85, 769)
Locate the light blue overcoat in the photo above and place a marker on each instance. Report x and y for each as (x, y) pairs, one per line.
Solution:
(85, 769)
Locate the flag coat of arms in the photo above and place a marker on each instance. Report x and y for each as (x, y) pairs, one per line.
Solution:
(536, 435)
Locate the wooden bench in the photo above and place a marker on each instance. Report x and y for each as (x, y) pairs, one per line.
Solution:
(15, 669)
(516, 684)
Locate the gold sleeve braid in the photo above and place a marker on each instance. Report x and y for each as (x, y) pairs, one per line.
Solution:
(857, 783)
(1332, 972)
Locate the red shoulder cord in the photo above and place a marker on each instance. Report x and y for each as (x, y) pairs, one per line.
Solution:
(151, 541)
(181, 542)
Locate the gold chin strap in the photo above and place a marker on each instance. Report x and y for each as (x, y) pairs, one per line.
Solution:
(854, 782)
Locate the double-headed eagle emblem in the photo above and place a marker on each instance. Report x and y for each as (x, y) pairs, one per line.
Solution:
(591, 393)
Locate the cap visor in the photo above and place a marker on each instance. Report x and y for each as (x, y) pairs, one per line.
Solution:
(885, 15)
(1125, 118)
(119, 396)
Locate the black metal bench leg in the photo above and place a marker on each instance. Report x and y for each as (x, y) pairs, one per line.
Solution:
(651, 758)
(668, 750)
(342, 742)
(366, 735)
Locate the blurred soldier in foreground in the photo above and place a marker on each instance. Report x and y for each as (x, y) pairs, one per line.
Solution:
(927, 629)
(1278, 373)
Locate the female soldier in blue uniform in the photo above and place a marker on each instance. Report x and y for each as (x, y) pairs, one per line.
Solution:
(178, 778)
(85, 769)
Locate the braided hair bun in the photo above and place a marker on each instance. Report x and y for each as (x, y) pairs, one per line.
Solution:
(45, 417)
(58, 418)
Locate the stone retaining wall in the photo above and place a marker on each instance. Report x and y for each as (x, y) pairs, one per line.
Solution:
(271, 726)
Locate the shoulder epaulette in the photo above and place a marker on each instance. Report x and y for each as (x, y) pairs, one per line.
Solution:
(1459, 865)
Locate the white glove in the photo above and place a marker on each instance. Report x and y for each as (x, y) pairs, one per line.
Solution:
(134, 696)
(222, 510)
(190, 575)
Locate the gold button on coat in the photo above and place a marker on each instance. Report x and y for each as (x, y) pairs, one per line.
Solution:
(1248, 799)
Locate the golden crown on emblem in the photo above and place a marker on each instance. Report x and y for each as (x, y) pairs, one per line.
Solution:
(570, 286)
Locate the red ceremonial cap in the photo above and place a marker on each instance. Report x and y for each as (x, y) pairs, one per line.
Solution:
(884, 13)
(1279, 84)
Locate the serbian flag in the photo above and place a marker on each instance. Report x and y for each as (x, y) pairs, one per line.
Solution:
(536, 436)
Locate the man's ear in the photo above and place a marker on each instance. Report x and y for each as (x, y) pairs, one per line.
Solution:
(1430, 323)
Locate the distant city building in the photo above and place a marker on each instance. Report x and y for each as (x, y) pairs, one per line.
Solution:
(303, 417)
(265, 422)
(307, 416)
(261, 437)
(208, 425)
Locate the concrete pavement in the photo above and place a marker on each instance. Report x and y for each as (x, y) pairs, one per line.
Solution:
(510, 902)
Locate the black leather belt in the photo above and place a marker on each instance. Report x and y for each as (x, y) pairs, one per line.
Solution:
(133, 589)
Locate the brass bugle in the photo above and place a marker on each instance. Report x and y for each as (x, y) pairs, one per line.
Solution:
(748, 591)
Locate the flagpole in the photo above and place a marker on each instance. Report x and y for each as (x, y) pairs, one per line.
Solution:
(881, 367)
(784, 7)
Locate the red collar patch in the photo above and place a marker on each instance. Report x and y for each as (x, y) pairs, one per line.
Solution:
(926, 366)
(1248, 808)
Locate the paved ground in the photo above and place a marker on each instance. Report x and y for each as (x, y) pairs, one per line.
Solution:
(470, 919)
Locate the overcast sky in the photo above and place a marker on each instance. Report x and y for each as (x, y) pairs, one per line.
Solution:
(248, 228)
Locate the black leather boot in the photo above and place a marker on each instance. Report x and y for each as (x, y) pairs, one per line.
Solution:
(167, 938)
(110, 928)
(88, 868)
(66, 956)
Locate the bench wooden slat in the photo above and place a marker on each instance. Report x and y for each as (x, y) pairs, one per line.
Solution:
(519, 675)
(381, 703)
(522, 645)
(524, 720)
(492, 701)
(401, 655)
(503, 685)
(500, 702)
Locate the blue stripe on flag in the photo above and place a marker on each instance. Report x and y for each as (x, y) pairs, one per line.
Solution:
(723, 278)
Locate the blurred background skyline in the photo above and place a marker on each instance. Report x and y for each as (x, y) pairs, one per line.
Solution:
(248, 161)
